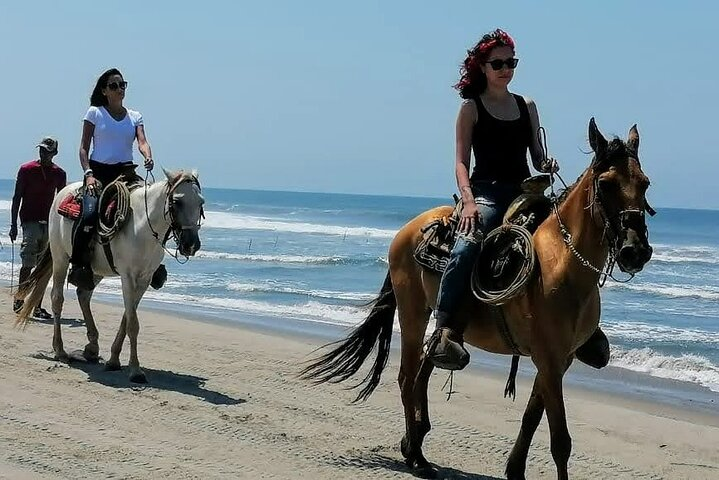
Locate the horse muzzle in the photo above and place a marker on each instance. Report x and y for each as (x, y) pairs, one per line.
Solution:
(189, 242)
(633, 255)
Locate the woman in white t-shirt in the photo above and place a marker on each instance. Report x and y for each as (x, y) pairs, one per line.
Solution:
(112, 129)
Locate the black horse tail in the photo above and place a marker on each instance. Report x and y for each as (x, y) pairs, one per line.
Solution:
(349, 354)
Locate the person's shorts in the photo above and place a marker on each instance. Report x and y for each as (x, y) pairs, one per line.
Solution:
(34, 242)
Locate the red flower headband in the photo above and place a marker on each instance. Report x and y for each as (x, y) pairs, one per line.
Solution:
(500, 38)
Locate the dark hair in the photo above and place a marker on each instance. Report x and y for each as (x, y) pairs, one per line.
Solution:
(97, 99)
(472, 81)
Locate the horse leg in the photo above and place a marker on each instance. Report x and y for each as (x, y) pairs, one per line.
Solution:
(517, 462)
(413, 326)
(113, 363)
(416, 418)
(553, 395)
(92, 349)
(421, 386)
(59, 272)
(132, 291)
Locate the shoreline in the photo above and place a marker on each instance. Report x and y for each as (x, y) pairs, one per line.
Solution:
(615, 382)
(611, 381)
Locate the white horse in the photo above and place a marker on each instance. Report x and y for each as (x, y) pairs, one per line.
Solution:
(171, 206)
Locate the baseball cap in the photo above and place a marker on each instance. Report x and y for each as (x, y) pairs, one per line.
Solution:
(49, 144)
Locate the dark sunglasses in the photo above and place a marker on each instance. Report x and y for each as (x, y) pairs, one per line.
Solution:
(123, 85)
(499, 63)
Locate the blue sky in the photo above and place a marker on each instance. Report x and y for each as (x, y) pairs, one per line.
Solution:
(356, 97)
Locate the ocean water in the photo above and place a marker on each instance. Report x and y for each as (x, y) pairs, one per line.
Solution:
(299, 257)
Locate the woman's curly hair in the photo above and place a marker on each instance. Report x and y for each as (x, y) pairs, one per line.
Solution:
(472, 80)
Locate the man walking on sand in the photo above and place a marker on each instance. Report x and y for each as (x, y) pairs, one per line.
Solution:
(38, 181)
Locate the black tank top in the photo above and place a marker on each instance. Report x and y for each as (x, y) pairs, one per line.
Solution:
(500, 146)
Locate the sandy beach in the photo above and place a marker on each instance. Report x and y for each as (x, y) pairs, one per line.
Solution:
(225, 402)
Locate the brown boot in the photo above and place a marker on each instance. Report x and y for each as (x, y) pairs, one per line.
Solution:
(445, 348)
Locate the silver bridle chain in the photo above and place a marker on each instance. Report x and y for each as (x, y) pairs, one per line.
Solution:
(606, 271)
(607, 268)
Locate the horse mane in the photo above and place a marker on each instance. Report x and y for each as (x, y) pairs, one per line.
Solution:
(616, 148)
(562, 197)
(186, 174)
(178, 176)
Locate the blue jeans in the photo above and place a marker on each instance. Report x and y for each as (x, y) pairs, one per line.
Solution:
(492, 201)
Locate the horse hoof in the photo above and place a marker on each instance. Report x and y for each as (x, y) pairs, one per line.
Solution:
(112, 366)
(138, 378)
(514, 474)
(426, 471)
(62, 356)
(409, 459)
(511, 476)
(90, 355)
(91, 358)
(404, 447)
(416, 462)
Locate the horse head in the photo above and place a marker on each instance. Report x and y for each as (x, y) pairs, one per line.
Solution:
(185, 210)
(620, 187)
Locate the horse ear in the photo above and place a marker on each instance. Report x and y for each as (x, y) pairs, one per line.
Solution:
(169, 174)
(597, 142)
(633, 141)
(596, 139)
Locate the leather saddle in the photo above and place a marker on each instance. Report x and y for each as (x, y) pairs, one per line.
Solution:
(71, 206)
(528, 210)
(532, 206)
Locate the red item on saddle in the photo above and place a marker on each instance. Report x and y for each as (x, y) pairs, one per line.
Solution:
(70, 207)
(110, 210)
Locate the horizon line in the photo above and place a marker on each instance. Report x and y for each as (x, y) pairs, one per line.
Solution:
(449, 197)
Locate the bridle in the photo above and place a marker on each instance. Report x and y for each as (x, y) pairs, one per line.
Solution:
(175, 228)
(614, 225)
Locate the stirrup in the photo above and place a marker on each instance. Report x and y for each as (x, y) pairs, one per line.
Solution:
(82, 277)
(446, 352)
(159, 277)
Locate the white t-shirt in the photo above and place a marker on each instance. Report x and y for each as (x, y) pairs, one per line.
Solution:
(112, 140)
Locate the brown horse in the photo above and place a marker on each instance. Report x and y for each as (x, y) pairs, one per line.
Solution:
(601, 217)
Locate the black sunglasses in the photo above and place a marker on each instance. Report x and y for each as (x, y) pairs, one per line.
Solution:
(498, 63)
(123, 85)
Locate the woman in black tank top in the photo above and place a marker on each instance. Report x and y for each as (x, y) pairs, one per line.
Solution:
(499, 127)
